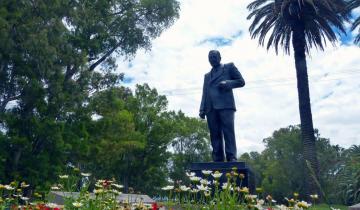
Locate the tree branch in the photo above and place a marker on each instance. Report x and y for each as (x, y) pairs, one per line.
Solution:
(94, 65)
(69, 72)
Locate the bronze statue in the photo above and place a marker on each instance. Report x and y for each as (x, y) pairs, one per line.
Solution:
(218, 105)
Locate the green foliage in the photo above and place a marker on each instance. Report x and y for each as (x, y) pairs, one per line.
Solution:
(130, 140)
(280, 168)
(280, 163)
(53, 58)
(191, 144)
(348, 176)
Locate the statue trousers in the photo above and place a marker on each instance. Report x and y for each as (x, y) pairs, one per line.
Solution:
(221, 126)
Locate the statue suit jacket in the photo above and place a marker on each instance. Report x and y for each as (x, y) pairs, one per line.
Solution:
(220, 98)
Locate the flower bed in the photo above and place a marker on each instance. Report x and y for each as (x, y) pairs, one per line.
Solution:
(209, 193)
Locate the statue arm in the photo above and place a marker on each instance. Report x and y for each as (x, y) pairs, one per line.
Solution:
(236, 78)
(202, 104)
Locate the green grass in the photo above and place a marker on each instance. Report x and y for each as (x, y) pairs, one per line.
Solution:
(326, 207)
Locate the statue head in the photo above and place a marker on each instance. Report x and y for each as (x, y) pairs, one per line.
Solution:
(214, 58)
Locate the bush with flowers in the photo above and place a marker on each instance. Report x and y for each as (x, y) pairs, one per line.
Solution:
(76, 196)
(209, 193)
(203, 193)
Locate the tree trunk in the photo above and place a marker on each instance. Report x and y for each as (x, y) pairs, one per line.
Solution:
(307, 129)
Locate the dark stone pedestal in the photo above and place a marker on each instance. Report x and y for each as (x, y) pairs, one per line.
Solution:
(355, 207)
(226, 167)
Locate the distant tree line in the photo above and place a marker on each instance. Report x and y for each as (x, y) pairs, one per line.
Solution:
(280, 170)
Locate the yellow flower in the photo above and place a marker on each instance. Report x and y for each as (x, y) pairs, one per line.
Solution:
(77, 204)
(24, 185)
(206, 172)
(195, 179)
(205, 182)
(117, 185)
(8, 187)
(244, 190)
(202, 187)
(250, 198)
(63, 176)
(98, 191)
(303, 205)
(24, 198)
(241, 176)
(216, 174)
(55, 188)
(296, 194)
(314, 197)
(51, 205)
(38, 195)
(86, 174)
(207, 193)
(184, 188)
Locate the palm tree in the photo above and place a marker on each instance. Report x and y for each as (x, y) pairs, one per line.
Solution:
(305, 24)
(352, 5)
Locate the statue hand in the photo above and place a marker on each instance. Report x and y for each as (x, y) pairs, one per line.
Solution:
(202, 115)
(224, 85)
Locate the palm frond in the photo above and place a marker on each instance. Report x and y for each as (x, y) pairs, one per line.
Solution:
(352, 5)
(276, 19)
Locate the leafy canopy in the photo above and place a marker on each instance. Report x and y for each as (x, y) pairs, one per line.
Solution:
(53, 58)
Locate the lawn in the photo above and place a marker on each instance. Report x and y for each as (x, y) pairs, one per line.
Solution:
(326, 207)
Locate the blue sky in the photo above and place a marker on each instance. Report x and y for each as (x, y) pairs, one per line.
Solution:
(178, 60)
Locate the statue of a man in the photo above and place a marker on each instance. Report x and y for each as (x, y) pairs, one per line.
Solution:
(218, 105)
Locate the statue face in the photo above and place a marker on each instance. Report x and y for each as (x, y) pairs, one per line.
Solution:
(214, 58)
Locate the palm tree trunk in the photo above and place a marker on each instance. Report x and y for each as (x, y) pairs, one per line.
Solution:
(307, 129)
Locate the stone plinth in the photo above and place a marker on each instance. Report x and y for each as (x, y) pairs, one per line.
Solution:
(355, 207)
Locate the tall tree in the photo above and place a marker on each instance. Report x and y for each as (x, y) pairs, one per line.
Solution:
(353, 4)
(131, 136)
(53, 56)
(191, 143)
(113, 140)
(304, 24)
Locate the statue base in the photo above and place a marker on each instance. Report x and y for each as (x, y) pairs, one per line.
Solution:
(226, 167)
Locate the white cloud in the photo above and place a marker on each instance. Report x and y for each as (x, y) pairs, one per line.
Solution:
(177, 63)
